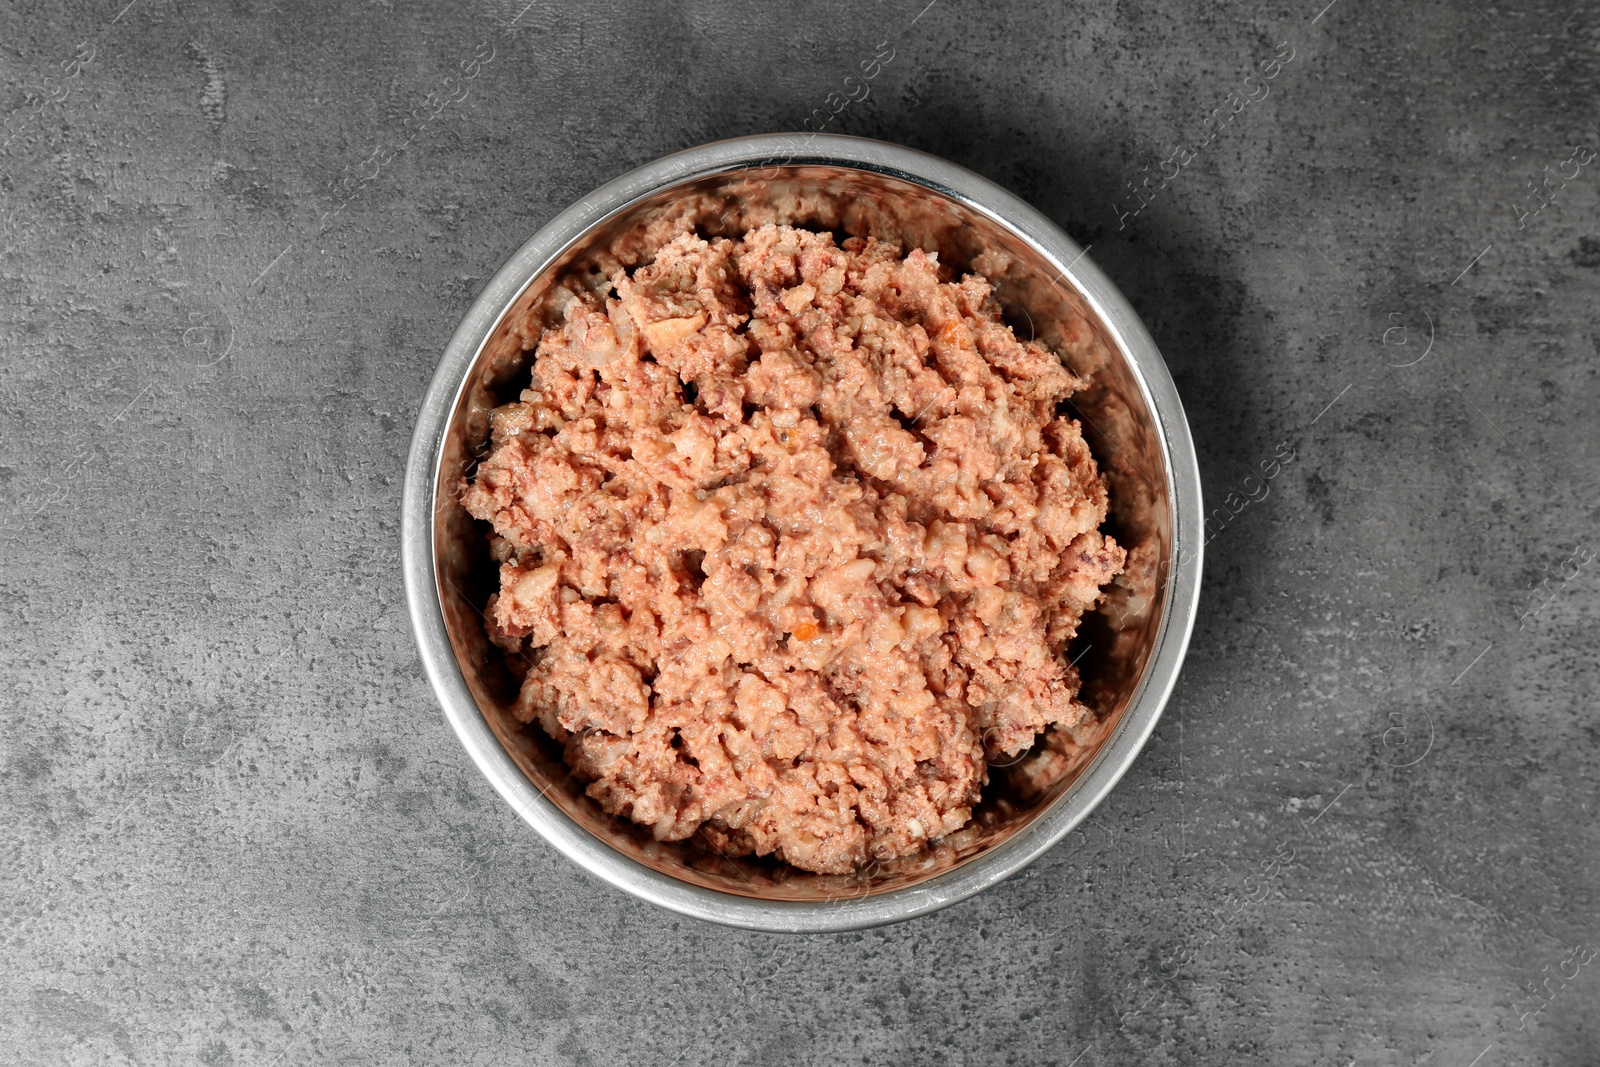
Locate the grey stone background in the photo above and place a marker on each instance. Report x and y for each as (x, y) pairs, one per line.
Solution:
(238, 830)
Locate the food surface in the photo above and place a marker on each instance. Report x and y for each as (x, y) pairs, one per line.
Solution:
(793, 536)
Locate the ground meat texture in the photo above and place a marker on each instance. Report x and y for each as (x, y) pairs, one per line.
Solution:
(794, 537)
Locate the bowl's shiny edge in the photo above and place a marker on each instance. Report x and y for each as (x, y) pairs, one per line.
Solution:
(1006, 858)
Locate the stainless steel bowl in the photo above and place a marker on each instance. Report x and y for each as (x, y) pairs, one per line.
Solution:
(1131, 648)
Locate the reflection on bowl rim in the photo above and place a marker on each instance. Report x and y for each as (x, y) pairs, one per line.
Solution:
(1117, 320)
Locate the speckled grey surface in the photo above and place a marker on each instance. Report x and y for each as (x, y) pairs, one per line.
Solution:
(237, 829)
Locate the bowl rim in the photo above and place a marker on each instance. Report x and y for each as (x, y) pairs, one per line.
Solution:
(1122, 325)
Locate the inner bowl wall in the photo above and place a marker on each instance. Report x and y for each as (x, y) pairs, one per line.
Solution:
(1116, 641)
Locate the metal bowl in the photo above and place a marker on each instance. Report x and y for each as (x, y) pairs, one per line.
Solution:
(1130, 648)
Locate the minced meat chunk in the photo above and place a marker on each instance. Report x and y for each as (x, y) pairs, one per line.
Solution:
(796, 538)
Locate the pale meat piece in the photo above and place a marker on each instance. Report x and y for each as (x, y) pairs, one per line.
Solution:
(795, 538)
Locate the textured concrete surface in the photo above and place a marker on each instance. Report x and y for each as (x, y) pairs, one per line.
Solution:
(236, 827)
